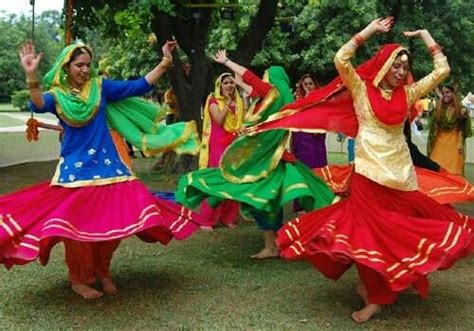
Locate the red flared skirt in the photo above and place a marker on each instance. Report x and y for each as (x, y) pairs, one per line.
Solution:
(33, 219)
(399, 236)
(442, 186)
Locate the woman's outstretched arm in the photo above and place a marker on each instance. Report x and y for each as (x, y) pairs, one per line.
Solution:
(30, 62)
(221, 57)
(441, 67)
(166, 62)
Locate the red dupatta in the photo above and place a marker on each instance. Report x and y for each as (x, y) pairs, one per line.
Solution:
(330, 108)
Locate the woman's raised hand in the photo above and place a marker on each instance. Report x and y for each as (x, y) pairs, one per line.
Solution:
(424, 35)
(381, 25)
(221, 56)
(29, 59)
(414, 34)
(169, 47)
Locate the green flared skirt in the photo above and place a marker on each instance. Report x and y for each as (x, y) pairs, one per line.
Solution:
(287, 182)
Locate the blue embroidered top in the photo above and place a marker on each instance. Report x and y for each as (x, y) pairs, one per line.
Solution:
(88, 155)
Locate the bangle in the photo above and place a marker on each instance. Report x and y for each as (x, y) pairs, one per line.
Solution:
(33, 84)
(166, 62)
(435, 49)
(358, 39)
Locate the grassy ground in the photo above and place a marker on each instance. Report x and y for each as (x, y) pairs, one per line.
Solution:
(208, 282)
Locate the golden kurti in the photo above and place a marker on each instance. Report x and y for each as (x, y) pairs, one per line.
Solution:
(381, 153)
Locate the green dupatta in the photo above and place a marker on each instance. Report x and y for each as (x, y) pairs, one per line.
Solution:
(250, 158)
(135, 119)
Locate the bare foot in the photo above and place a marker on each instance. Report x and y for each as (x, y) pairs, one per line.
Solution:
(230, 225)
(366, 313)
(86, 291)
(108, 285)
(265, 253)
(206, 228)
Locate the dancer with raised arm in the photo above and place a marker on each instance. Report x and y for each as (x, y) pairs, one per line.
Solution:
(257, 171)
(393, 234)
(223, 119)
(94, 200)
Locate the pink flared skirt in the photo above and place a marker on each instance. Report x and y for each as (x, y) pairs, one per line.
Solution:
(33, 219)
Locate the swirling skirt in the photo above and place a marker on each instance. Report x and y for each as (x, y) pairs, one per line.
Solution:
(34, 219)
(395, 238)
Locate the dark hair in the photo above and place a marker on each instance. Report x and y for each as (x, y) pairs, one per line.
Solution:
(455, 102)
(225, 75)
(299, 91)
(449, 87)
(407, 53)
(78, 51)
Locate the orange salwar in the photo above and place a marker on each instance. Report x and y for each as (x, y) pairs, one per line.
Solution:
(88, 261)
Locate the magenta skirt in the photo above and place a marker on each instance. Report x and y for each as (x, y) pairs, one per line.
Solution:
(34, 219)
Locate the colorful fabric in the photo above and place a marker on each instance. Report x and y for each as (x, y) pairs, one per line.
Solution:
(443, 187)
(137, 120)
(382, 229)
(447, 138)
(140, 123)
(310, 148)
(216, 138)
(330, 108)
(394, 234)
(225, 212)
(253, 170)
(93, 197)
(88, 262)
(122, 148)
(76, 109)
(118, 211)
(287, 182)
(251, 158)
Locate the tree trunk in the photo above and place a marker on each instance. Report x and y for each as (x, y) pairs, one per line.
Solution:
(191, 33)
(252, 40)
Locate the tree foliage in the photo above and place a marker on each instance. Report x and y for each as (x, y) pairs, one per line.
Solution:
(300, 35)
(15, 30)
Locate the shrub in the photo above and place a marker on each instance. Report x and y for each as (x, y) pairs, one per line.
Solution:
(20, 99)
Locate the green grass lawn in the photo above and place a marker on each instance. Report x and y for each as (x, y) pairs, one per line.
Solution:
(208, 282)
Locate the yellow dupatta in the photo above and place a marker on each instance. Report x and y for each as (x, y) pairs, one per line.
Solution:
(232, 122)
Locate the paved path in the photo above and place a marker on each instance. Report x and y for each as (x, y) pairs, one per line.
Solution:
(46, 118)
(15, 149)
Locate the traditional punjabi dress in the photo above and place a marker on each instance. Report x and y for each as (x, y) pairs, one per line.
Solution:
(94, 199)
(309, 148)
(433, 181)
(257, 171)
(394, 234)
(447, 137)
(215, 139)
